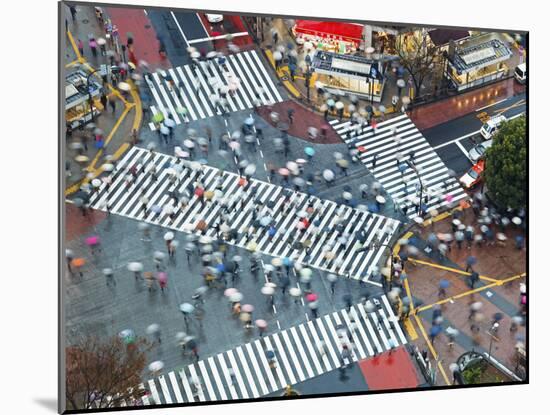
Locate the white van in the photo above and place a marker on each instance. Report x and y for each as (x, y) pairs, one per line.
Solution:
(521, 73)
(479, 150)
(491, 127)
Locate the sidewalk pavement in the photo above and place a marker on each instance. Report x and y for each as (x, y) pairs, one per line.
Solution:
(501, 269)
(117, 127)
(430, 115)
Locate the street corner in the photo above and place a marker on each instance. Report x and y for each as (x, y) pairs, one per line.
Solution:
(80, 221)
(305, 124)
(390, 370)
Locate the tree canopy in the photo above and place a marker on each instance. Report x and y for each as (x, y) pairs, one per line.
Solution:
(103, 373)
(506, 165)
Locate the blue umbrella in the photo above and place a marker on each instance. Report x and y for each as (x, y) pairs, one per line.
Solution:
(317, 222)
(444, 284)
(353, 203)
(220, 267)
(203, 161)
(402, 167)
(310, 151)
(403, 256)
(156, 209)
(272, 231)
(269, 354)
(287, 262)
(373, 207)
(471, 260)
(435, 330)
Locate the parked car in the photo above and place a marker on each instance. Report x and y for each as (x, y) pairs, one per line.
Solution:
(491, 127)
(214, 18)
(521, 73)
(473, 176)
(479, 150)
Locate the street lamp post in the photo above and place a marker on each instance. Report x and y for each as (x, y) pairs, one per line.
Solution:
(90, 98)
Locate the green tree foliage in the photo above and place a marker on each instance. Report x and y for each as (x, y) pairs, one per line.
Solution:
(506, 165)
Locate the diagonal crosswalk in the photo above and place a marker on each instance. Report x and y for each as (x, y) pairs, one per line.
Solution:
(339, 236)
(194, 90)
(399, 136)
(298, 354)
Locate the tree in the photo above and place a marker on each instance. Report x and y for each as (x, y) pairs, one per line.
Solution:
(103, 374)
(506, 165)
(419, 60)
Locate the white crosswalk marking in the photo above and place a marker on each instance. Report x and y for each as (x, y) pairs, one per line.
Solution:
(380, 151)
(246, 66)
(296, 356)
(358, 227)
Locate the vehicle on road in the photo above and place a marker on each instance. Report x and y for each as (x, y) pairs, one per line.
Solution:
(479, 150)
(521, 73)
(473, 176)
(491, 126)
(214, 18)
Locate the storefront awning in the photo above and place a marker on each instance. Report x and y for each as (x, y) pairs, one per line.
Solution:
(350, 32)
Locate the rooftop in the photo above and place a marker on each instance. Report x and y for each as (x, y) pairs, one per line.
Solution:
(474, 56)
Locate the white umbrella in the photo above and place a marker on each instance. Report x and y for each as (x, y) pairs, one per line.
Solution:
(295, 292)
(250, 170)
(169, 122)
(328, 174)
(277, 55)
(235, 297)
(135, 266)
(108, 167)
(267, 290)
(168, 236)
(339, 105)
(96, 182)
(152, 328)
(516, 220)
(156, 366)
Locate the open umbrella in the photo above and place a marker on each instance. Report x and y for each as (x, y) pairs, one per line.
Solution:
(187, 308)
(444, 284)
(310, 151)
(168, 236)
(92, 240)
(236, 297)
(156, 366)
(230, 291)
(135, 266)
(247, 308)
(267, 290)
(328, 175)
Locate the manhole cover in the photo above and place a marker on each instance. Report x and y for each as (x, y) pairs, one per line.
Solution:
(147, 26)
(85, 21)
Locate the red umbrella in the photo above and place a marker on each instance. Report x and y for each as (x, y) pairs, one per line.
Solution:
(311, 297)
(242, 182)
(199, 191)
(305, 222)
(361, 149)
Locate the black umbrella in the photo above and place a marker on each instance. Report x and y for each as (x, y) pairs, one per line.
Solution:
(230, 266)
(271, 204)
(498, 316)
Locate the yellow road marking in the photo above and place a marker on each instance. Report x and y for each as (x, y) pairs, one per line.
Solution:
(109, 137)
(75, 48)
(281, 73)
(409, 326)
(469, 292)
(72, 63)
(455, 270)
(514, 105)
(432, 350)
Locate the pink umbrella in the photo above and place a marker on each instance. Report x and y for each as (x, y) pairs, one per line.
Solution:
(247, 308)
(449, 198)
(300, 225)
(92, 240)
(283, 171)
(311, 297)
(229, 292)
(261, 324)
(162, 277)
(234, 145)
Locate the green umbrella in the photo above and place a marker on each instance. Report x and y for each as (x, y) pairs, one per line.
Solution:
(158, 117)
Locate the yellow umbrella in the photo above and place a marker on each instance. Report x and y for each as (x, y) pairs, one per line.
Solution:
(252, 246)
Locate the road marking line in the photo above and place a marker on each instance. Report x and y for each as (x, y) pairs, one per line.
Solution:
(456, 270)
(432, 350)
(411, 331)
(456, 140)
(206, 39)
(490, 105)
(461, 147)
(179, 27)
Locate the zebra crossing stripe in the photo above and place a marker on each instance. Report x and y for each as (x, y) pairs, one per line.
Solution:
(175, 387)
(154, 393)
(164, 388)
(225, 371)
(246, 66)
(256, 367)
(217, 379)
(433, 172)
(265, 365)
(186, 386)
(295, 362)
(124, 200)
